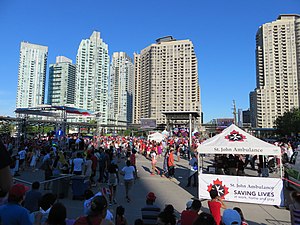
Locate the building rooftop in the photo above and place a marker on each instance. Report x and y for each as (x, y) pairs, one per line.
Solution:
(165, 39)
(281, 16)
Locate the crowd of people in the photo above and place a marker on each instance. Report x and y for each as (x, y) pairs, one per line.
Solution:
(86, 156)
(98, 159)
(26, 207)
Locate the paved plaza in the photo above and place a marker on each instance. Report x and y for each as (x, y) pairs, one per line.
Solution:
(168, 192)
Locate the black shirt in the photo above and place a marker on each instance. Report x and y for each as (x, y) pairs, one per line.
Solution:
(5, 159)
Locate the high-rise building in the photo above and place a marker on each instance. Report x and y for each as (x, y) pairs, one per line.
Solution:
(166, 79)
(92, 74)
(61, 85)
(277, 69)
(32, 75)
(136, 112)
(253, 104)
(121, 88)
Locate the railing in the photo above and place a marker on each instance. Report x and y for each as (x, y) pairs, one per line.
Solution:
(61, 176)
(58, 190)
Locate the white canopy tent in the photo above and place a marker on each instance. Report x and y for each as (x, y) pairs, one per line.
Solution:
(158, 137)
(234, 140)
(166, 133)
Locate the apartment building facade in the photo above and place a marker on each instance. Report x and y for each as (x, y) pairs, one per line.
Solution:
(121, 89)
(92, 75)
(166, 79)
(277, 70)
(61, 84)
(31, 75)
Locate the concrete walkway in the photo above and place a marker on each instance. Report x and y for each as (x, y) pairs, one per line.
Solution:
(168, 192)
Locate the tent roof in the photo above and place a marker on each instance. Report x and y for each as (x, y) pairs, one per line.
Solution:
(234, 140)
(156, 137)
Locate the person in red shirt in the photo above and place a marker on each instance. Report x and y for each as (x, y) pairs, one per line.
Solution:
(189, 215)
(94, 167)
(133, 161)
(215, 205)
(171, 164)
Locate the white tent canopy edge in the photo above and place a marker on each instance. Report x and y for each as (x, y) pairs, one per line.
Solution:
(234, 140)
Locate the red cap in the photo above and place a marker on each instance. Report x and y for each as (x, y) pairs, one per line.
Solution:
(18, 190)
(151, 196)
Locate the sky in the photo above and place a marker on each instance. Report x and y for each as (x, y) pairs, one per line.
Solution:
(223, 34)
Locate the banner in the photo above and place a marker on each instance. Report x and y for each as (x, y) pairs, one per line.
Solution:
(259, 190)
(148, 123)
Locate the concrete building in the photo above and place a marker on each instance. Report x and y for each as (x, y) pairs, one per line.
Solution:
(253, 104)
(166, 79)
(92, 74)
(61, 85)
(32, 75)
(136, 112)
(121, 89)
(277, 70)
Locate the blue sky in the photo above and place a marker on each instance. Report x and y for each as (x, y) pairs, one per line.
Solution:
(223, 34)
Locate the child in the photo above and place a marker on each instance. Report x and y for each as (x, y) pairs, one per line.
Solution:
(153, 163)
(215, 205)
(120, 218)
(241, 214)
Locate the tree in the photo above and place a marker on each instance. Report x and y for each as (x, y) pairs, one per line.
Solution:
(6, 128)
(288, 123)
(93, 122)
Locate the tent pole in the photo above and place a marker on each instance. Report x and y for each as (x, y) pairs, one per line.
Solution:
(199, 163)
(280, 161)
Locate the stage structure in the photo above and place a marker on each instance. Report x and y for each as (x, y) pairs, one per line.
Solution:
(59, 115)
(181, 118)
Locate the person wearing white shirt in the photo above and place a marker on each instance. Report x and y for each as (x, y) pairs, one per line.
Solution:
(129, 173)
(78, 164)
(22, 156)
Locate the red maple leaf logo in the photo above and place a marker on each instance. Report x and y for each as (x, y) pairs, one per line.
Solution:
(217, 185)
(235, 136)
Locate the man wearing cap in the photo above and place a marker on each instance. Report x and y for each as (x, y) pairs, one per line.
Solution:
(189, 215)
(150, 211)
(13, 213)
